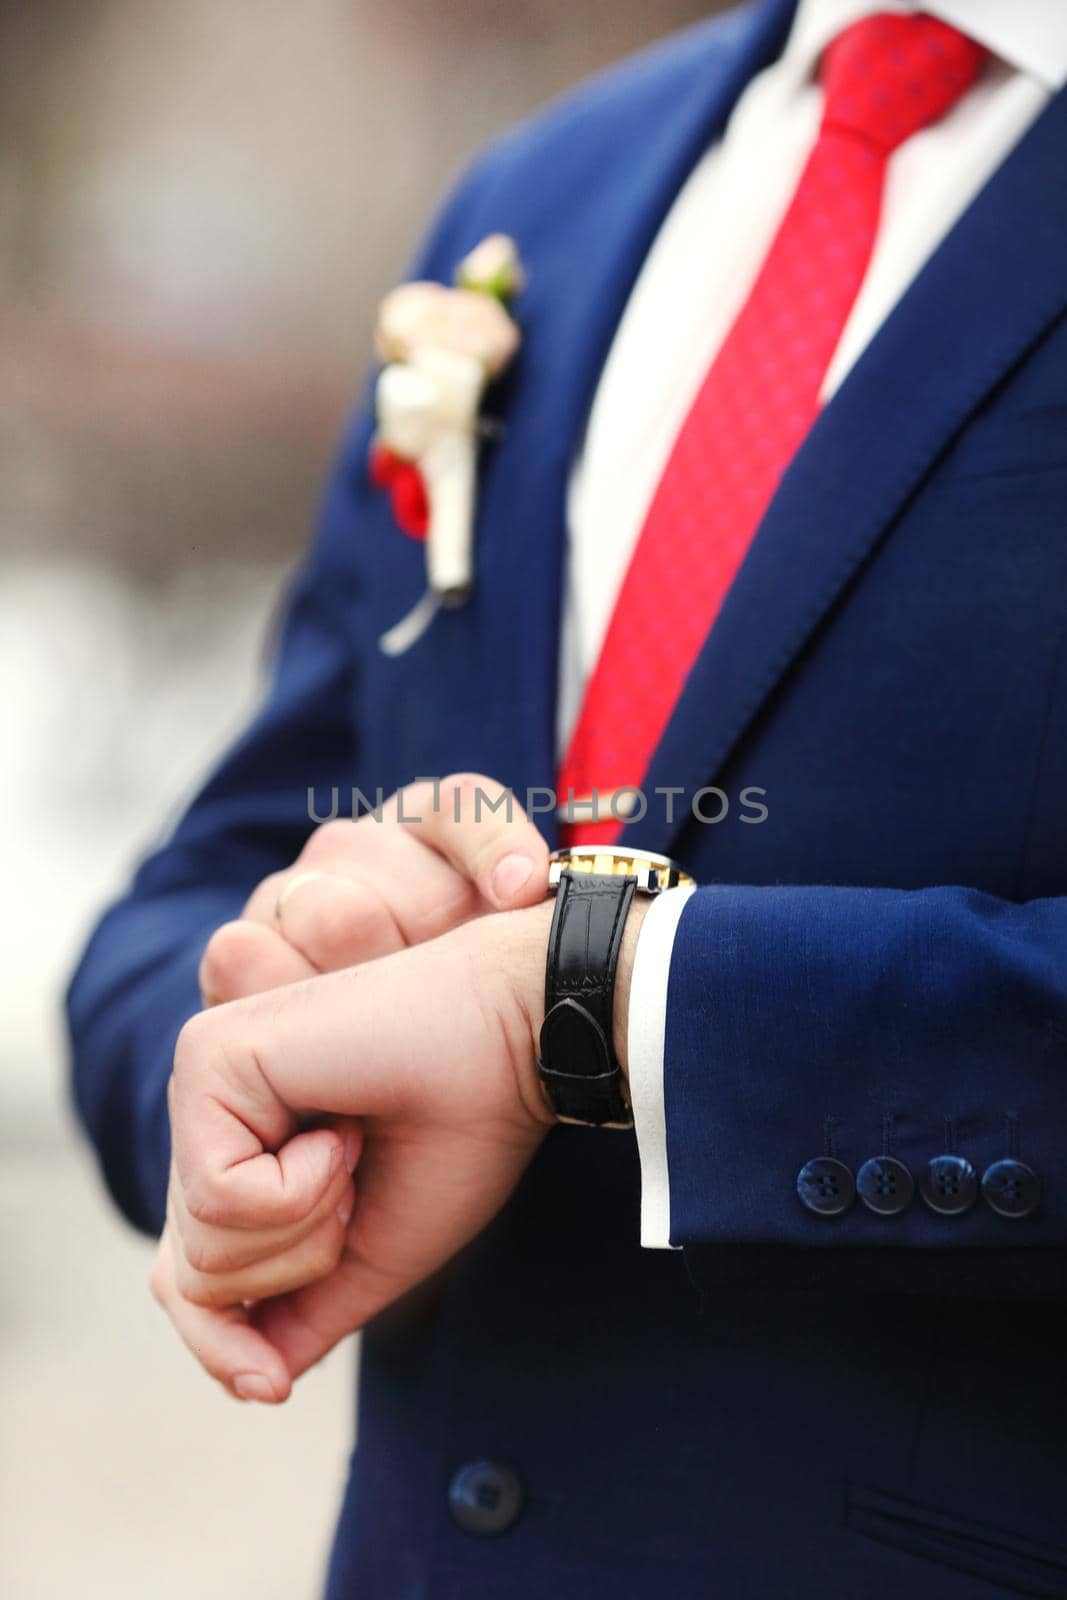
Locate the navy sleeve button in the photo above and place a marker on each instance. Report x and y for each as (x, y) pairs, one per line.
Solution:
(885, 1186)
(1011, 1188)
(484, 1498)
(826, 1186)
(949, 1185)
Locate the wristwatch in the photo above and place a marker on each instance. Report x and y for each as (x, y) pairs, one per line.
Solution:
(594, 888)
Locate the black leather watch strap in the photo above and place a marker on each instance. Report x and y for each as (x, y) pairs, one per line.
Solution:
(579, 1069)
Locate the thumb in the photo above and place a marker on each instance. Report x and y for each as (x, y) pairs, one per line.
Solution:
(480, 828)
(270, 1191)
(223, 1341)
(303, 1326)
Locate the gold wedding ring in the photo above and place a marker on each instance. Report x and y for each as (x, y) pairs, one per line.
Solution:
(287, 889)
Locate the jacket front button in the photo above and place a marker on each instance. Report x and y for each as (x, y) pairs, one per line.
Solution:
(1011, 1188)
(949, 1185)
(484, 1498)
(826, 1186)
(885, 1186)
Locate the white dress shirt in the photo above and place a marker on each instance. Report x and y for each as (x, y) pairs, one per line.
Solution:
(694, 282)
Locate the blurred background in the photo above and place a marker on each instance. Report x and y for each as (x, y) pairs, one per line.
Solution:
(201, 202)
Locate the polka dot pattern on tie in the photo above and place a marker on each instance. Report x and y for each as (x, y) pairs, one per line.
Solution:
(884, 78)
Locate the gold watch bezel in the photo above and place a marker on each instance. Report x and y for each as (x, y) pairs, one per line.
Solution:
(654, 873)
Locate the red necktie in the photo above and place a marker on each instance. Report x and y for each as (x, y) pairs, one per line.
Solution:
(883, 79)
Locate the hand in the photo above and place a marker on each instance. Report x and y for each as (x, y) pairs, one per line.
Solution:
(359, 890)
(432, 1049)
(440, 854)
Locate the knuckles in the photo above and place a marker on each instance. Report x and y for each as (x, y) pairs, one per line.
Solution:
(464, 796)
(459, 797)
(192, 1079)
(338, 837)
(344, 923)
(203, 1204)
(322, 1252)
(314, 1259)
(206, 1255)
(194, 1048)
(193, 1286)
(227, 958)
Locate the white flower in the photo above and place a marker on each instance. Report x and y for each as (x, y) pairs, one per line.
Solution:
(466, 322)
(441, 348)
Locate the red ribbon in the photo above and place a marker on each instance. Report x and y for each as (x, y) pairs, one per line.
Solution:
(411, 508)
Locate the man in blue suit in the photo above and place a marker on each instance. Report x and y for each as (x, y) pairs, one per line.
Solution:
(845, 1051)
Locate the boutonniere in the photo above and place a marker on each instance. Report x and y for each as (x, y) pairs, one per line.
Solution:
(441, 348)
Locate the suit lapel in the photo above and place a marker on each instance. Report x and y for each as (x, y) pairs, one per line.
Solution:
(585, 246)
(993, 286)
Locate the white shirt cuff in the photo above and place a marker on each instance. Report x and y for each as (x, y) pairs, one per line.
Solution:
(645, 1034)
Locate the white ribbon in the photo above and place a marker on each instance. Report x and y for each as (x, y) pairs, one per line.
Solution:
(427, 411)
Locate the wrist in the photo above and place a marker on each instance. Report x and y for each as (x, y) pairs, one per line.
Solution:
(521, 937)
(525, 936)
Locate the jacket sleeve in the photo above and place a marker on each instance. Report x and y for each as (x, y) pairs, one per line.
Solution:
(137, 981)
(851, 1024)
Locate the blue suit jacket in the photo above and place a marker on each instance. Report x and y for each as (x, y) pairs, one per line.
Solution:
(790, 1405)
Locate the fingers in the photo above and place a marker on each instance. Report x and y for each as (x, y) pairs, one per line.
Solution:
(335, 922)
(375, 887)
(224, 1342)
(423, 892)
(221, 1253)
(304, 1326)
(226, 1123)
(478, 826)
(423, 1047)
(203, 1277)
(438, 854)
(311, 1258)
(271, 1190)
(243, 958)
(414, 1033)
(267, 900)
